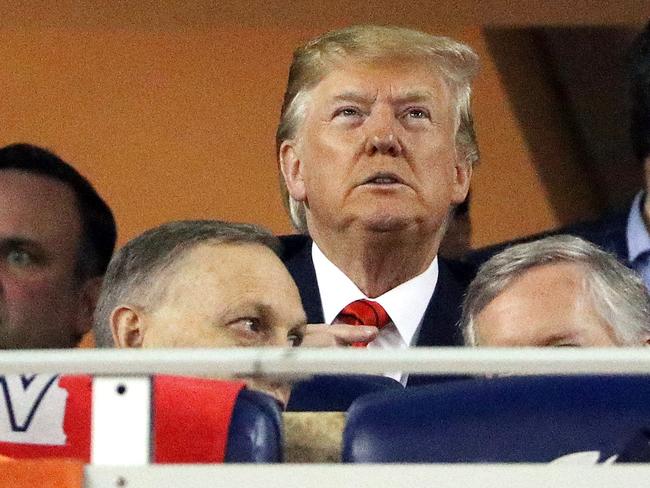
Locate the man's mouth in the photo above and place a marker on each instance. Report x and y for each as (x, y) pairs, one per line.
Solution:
(384, 179)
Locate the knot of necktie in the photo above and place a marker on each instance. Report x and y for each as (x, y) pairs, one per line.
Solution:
(363, 312)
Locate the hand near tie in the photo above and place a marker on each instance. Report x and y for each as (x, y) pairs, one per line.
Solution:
(337, 335)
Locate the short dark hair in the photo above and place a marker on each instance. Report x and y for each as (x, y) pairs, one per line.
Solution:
(98, 231)
(137, 273)
(640, 94)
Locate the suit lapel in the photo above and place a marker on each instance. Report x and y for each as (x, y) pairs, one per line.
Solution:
(440, 321)
(439, 324)
(297, 258)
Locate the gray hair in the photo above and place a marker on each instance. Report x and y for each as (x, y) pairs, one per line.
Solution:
(137, 273)
(456, 61)
(617, 293)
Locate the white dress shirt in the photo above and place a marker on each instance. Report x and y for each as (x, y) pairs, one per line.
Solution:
(638, 239)
(405, 304)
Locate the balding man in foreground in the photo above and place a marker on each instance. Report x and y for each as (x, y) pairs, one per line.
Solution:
(557, 291)
(376, 146)
(201, 284)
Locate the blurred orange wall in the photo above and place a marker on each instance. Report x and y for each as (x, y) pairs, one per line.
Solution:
(179, 123)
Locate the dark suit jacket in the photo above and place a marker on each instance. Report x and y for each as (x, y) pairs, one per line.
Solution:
(609, 232)
(440, 322)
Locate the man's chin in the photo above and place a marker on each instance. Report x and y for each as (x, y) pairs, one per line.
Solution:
(386, 222)
(279, 391)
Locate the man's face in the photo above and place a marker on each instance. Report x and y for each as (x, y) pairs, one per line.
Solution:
(41, 299)
(546, 306)
(228, 295)
(376, 149)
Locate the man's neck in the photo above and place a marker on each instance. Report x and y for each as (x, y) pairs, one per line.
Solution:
(377, 261)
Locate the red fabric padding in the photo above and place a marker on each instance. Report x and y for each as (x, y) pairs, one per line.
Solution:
(76, 425)
(192, 418)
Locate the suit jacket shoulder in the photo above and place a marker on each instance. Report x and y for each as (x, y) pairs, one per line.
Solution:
(608, 232)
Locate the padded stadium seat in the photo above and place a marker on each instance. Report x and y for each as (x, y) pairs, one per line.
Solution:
(255, 434)
(335, 393)
(196, 420)
(511, 419)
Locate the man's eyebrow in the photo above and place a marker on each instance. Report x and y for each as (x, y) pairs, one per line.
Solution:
(559, 337)
(353, 96)
(414, 96)
(268, 310)
(14, 241)
(259, 307)
(402, 97)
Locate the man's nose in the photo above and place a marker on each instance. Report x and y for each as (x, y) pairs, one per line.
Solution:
(381, 135)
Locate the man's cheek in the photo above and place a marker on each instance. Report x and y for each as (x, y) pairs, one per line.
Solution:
(30, 291)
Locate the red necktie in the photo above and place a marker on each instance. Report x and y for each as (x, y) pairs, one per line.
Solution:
(363, 312)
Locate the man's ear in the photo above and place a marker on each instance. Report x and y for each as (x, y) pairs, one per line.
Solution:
(647, 341)
(88, 296)
(291, 167)
(127, 326)
(462, 177)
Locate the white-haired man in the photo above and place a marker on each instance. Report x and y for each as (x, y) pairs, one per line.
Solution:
(376, 146)
(557, 291)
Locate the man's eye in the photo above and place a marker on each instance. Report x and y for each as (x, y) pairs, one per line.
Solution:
(349, 112)
(417, 113)
(247, 325)
(294, 339)
(17, 257)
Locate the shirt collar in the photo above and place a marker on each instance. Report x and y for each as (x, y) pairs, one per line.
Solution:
(405, 304)
(638, 239)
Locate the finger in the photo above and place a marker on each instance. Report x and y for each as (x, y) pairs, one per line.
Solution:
(323, 335)
(348, 334)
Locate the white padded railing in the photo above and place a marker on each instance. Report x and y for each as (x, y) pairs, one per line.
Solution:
(370, 476)
(300, 362)
(128, 464)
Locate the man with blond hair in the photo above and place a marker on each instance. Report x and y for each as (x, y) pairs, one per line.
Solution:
(376, 147)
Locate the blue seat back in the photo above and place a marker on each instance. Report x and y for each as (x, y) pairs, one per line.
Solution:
(512, 419)
(335, 393)
(255, 432)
